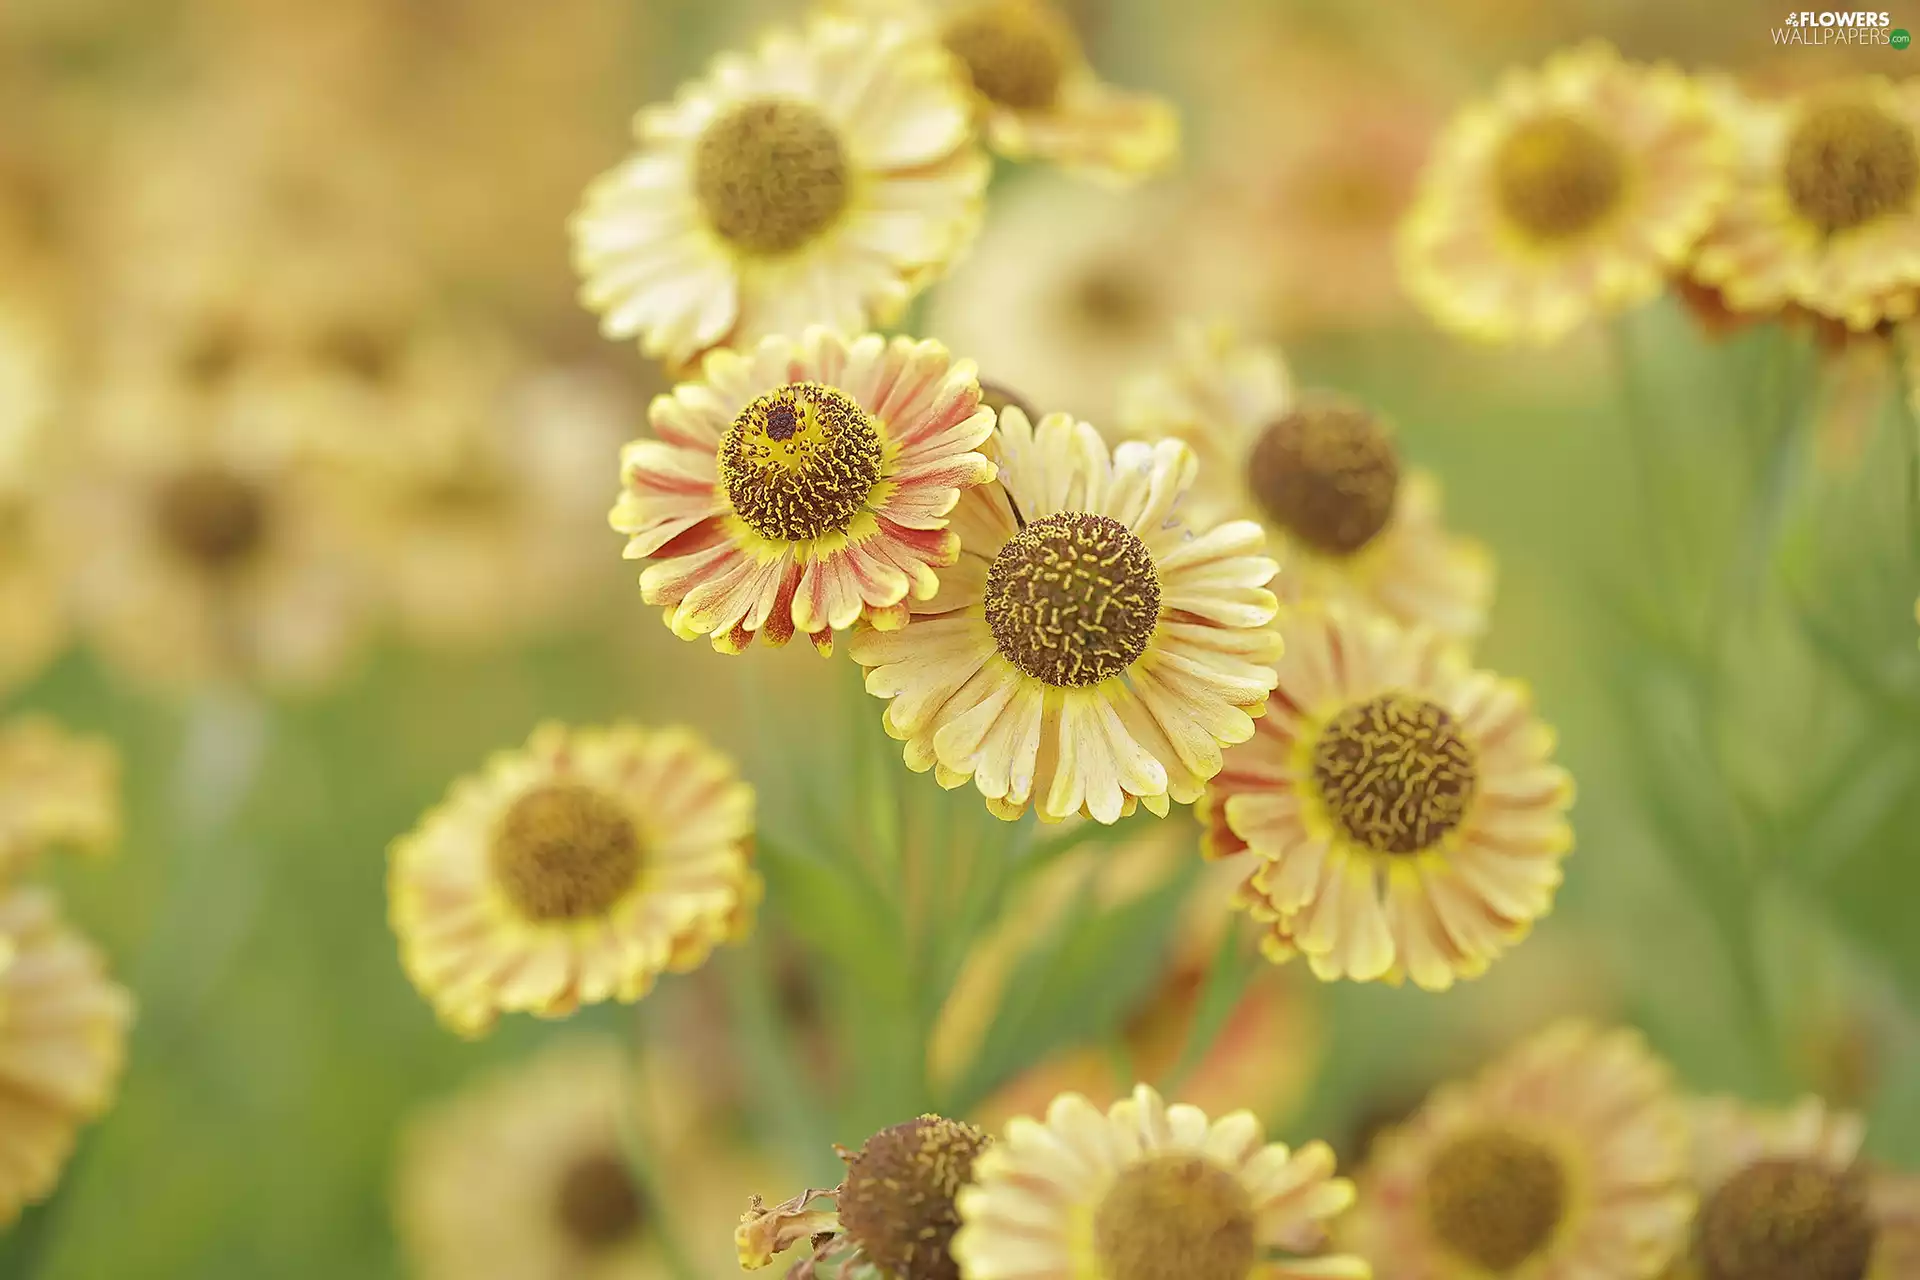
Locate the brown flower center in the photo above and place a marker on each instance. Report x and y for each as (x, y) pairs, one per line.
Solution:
(1786, 1220)
(211, 517)
(1175, 1217)
(1110, 298)
(361, 352)
(1327, 473)
(800, 462)
(897, 1201)
(1016, 51)
(215, 351)
(1495, 1198)
(1395, 772)
(597, 1204)
(1849, 163)
(565, 851)
(771, 174)
(1073, 599)
(1556, 177)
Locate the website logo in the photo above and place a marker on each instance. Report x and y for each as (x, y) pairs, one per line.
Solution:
(1839, 27)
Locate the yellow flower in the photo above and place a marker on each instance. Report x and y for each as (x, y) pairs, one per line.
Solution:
(1785, 1193)
(1322, 474)
(525, 1174)
(1148, 1190)
(1573, 192)
(894, 1210)
(573, 870)
(482, 506)
(1037, 96)
(205, 556)
(1405, 809)
(33, 608)
(57, 791)
(1825, 211)
(63, 1031)
(823, 179)
(1071, 291)
(1566, 1158)
(802, 486)
(1089, 650)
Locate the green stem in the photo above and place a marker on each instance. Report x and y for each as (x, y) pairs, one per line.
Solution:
(1643, 445)
(778, 1077)
(1220, 994)
(1910, 440)
(636, 1146)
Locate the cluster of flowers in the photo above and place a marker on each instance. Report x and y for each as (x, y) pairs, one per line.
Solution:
(63, 1020)
(1587, 186)
(1570, 1156)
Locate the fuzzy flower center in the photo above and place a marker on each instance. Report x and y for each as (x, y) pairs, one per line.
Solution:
(564, 851)
(596, 1203)
(1786, 1220)
(771, 174)
(1016, 51)
(1175, 1217)
(1849, 163)
(361, 352)
(1395, 772)
(1495, 1198)
(1556, 177)
(1327, 473)
(213, 354)
(897, 1201)
(1073, 599)
(800, 462)
(211, 517)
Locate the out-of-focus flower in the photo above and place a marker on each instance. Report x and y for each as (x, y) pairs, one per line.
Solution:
(1149, 1190)
(1405, 808)
(482, 508)
(1324, 477)
(57, 791)
(33, 607)
(893, 1211)
(1072, 289)
(1568, 1157)
(823, 179)
(573, 870)
(1826, 209)
(207, 556)
(1037, 96)
(1785, 1193)
(63, 1032)
(526, 1175)
(1574, 192)
(803, 486)
(1089, 651)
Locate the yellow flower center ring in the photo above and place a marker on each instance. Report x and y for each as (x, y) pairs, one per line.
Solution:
(800, 462)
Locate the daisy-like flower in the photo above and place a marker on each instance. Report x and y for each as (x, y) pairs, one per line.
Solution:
(576, 869)
(803, 486)
(1147, 1191)
(1575, 191)
(63, 1033)
(1037, 96)
(1785, 1193)
(526, 1175)
(1566, 1158)
(894, 1210)
(823, 179)
(1324, 476)
(57, 791)
(208, 555)
(1405, 809)
(1825, 211)
(33, 608)
(1089, 651)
